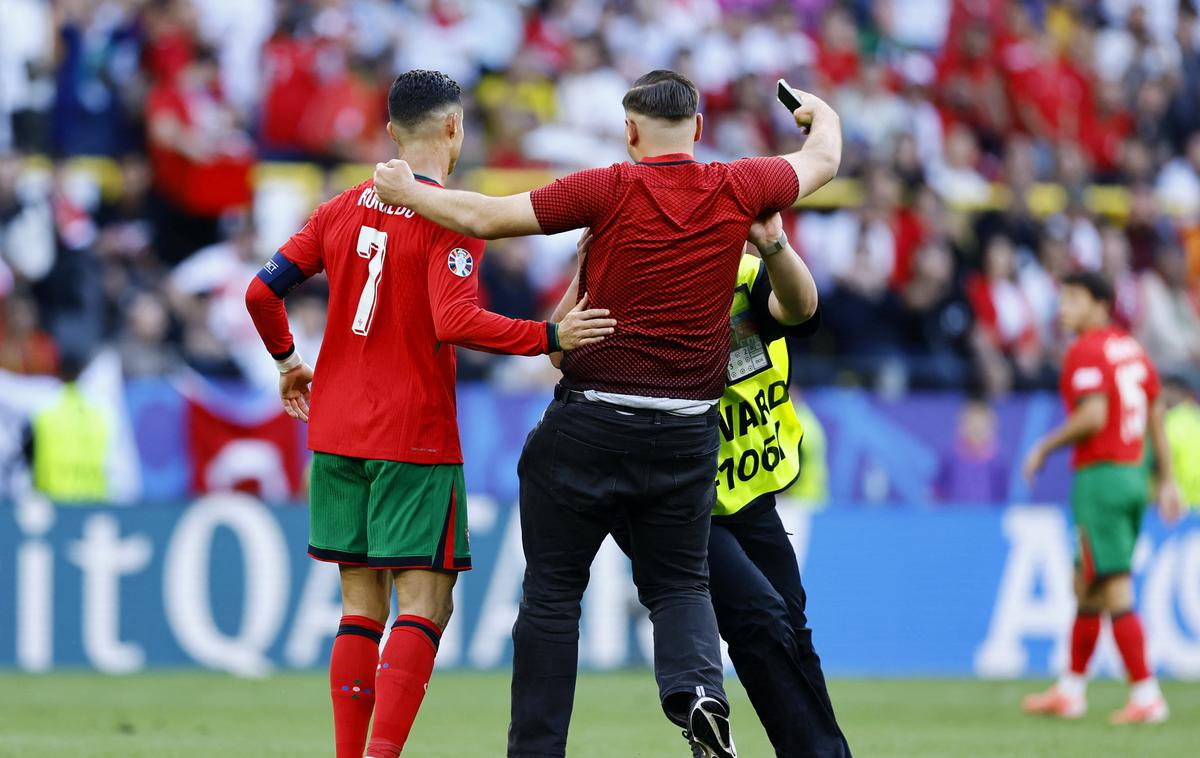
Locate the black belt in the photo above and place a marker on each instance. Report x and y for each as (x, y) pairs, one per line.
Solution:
(566, 396)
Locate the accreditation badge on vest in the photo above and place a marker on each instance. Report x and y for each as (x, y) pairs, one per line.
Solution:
(747, 353)
(760, 432)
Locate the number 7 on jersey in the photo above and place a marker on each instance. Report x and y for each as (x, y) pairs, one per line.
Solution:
(372, 245)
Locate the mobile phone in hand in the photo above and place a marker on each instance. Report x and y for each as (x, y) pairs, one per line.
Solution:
(787, 97)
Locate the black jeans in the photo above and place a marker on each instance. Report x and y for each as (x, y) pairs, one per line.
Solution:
(582, 464)
(760, 604)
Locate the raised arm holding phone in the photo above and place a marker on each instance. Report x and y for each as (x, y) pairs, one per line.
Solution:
(487, 217)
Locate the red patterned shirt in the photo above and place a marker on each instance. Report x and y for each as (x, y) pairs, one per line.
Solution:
(1111, 363)
(668, 234)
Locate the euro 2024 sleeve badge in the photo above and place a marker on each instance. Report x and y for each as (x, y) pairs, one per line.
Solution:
(460, 262)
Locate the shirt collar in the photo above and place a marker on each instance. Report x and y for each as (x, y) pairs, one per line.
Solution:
(426, 180)
(669, 159)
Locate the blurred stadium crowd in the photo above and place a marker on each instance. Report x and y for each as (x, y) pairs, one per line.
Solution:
(992, 145)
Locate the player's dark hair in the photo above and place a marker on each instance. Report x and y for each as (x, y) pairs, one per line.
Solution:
(1096, 285)
(663, 94)
(416, 94)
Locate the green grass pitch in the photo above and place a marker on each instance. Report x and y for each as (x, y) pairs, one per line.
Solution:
(189, 715)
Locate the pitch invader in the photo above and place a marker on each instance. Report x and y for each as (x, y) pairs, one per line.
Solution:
(388, 501)
(1110, 389)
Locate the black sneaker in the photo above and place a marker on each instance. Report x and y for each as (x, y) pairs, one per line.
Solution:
(708, 730)
(697, 751)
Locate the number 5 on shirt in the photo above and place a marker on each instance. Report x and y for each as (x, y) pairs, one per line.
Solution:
(1131, 378)
(372, 245)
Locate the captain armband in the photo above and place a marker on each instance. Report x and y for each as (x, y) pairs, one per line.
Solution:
(281, 275)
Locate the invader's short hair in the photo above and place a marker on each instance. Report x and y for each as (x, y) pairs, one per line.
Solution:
(663, 94)
(1096, 285)
(419, 93)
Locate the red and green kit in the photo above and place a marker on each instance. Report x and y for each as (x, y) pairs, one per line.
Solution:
(1110, 487)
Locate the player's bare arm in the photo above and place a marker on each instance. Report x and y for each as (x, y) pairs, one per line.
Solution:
(571, 296)
(469, 213)
(572, 306)
(1170, 499)
(1086, 420)
(793, 290)
(817, 162)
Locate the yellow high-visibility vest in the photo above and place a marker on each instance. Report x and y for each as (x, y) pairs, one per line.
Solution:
(760, 432)
(71, 440)
(1182, 425)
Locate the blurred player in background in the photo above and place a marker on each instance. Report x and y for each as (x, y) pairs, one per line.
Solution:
(388, 500)
(635, 425)
(1111, 391)
(754, 578)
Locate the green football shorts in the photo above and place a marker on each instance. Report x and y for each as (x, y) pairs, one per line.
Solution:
(388, 514)
(1108, 501)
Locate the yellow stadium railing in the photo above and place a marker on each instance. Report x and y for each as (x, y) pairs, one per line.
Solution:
(1043, 199)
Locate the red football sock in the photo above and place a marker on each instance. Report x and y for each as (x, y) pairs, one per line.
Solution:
(1084, 635)
(402, 678)
(352, 682)
(1131, 641)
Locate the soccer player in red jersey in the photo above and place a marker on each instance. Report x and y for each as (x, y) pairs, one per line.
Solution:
(1110, 389)
(634, 424)
(387, 496)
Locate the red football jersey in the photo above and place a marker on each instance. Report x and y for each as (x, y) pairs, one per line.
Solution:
(667, 237)
(402, 292)
(1110, 362)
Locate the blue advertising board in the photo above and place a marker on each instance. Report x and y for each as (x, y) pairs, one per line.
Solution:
(878, 449)
(223, 582)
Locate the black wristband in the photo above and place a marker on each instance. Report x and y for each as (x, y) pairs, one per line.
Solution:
(285, 354)
(552, 344)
